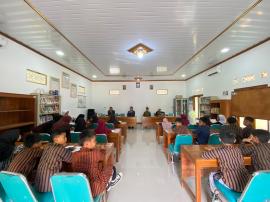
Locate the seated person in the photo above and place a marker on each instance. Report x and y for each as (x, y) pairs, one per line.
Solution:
(52, 160)
(64, 122)
(113, 120)
(233, 173)
(111, 111)
(232, 127)
(248, 122)
(27, 159)
(7, 147)
(90, 162)
(166, 125)
(147, 113)
(102, 128)
(80, 123)
(159, 113)
(259, 150)
(184, 119)
(203, 131)
(221, 119)
(47, 127)
(180, 128)
(131, 112)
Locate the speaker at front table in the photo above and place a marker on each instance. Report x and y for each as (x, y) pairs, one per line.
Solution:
(90, 113)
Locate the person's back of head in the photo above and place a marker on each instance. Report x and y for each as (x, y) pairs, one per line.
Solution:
(87, 138)
(204, 121)
(262, 135)
(178, 121)
(59, 135)
(227, 138)
(32, 140)
(231, 120)
(248, 121)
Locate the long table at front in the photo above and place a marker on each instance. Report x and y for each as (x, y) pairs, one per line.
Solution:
(192, 164)
(150, 122)
(131, 121)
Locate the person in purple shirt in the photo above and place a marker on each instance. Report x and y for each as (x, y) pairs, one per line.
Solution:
(203, 131)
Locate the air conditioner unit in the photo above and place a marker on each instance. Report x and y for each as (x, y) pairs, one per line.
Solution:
(214, 71)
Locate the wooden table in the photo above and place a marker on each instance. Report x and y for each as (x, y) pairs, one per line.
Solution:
(159, 131)
(168, 136)
(150, 122)
(124, 127)
(194, 165)
(115, 137)
(131, 121)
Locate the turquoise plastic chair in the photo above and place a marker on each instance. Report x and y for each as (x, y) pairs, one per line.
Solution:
(192, 127)
(3, 195)
(257, 190)
(45, 137)
(101, 138)
(110, 125)
(214, 139)
(93, 126)
(122, 115)
(17, 189)
(170, 114)
(75, 137)
(175, 149)
(215, 127)
(70, 187)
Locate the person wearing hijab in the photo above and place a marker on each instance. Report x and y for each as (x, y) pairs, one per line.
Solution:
(47, 127)
(221, 119)
(80, 123)
(64, 122)
(184, 120)
(7, 147)
(102, 129)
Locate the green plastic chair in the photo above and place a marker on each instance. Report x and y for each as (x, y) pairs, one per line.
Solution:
(110, 125)
(70, 187)
(170, 114)
(17, 189)
(75, 137)
(214, 139)
(192, 127)
(45, 137)
(257, 190)
(93, 126)
(101, 138)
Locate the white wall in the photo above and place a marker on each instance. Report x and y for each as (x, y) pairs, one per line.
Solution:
(252, 62)
(15, 59)
(139, 98)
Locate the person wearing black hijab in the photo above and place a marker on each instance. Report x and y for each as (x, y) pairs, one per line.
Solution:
(7, 146)
(80, 123)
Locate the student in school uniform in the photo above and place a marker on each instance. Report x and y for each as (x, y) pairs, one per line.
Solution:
(259, 150)
(102, 128)
(90, 162)
(180, 128)
(184, 119)
(233, 128)
(248, 122)
(131, 112)
(47, 126)
(233, 173)
(51, 160)
(26, 160)
(166, 125)
(147, 113)
(80, 123)
(203, 131)
(221, 119)
(64, 122)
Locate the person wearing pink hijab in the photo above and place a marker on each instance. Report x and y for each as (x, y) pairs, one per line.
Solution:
(102, 129)
(184, 119)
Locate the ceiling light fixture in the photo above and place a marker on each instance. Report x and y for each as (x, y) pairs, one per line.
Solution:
(94, 76)
(259, 13)
(140, 50)
(114, 70)
(138, 78)
(225, 50)
(161, 69)
(60, 53)
(183, 75)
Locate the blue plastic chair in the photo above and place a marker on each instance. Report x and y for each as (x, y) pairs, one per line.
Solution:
(192, 127)
(256, 190)
(101, 138)
(70, 187)
(45, 137)
(3, 195)
(214, 139)
(17, 189)
(75, 137)
(175, 149)
(110, 125)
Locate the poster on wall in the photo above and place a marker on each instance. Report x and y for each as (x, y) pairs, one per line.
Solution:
(54, 84)
(65, 80)
(81, 90)
(73, 90)
(81, 101)
(36, 77)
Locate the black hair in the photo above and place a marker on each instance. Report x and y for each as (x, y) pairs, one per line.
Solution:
(59, 131)
(205, 119)
(231, 120)
(250, 119)
(178, 119)
(228, 138)
(262, 135)
(31, 139)
(87, 134)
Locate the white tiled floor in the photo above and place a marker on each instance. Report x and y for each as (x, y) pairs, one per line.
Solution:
(147, 175)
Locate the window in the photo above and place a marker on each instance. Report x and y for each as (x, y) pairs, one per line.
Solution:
(261, 124)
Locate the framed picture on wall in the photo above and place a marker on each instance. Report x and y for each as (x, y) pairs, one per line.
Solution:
(138, 84)
(36, 77)
(151, 87)
(162, 92)
(54, 84)
(81, 90)
(65, 80)
(73, 90)
(81, 101)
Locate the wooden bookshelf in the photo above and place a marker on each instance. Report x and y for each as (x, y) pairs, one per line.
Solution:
(220, 107)
(17, 110)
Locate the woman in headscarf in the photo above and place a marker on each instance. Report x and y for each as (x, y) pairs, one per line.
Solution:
(221, 119)
(184, 119)
(80, 123)
(102, 129)
(63, 123)
(7, 147)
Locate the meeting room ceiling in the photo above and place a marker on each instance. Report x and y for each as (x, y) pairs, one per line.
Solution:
(187, 37)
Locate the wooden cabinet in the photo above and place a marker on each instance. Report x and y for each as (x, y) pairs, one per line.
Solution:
(220, 107)
(17, 111)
